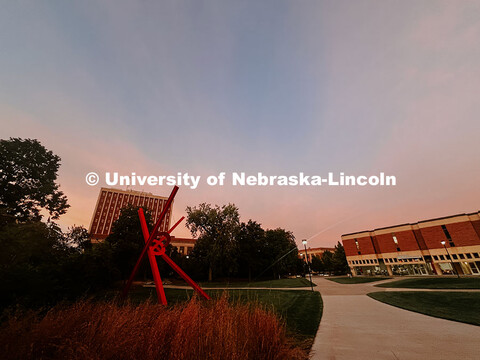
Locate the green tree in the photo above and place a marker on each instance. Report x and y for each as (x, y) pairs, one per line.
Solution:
(29, 258)
(278, 246)
(327, 260)
(340, 264)
(317, 264)
(28, 172)
(127, 240)
(250, 243)
(216, 228)
(77, 239)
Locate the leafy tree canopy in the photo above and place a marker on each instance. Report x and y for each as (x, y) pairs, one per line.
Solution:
(127, 239)
(77, 238)
(216, 228)
(28, 172)
(278, 243)
(250, 248)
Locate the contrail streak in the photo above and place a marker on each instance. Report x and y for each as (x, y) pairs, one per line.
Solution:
(311, 237)
(331, 226)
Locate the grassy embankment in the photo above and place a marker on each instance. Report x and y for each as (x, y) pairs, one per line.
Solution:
(435, 283)
(356, 280)
(280, 283)
(457, 306)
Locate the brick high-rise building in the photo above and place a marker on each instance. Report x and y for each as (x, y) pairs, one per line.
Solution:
(439, 246)
(109, 203)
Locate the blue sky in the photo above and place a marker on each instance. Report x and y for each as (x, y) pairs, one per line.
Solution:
(272, 86)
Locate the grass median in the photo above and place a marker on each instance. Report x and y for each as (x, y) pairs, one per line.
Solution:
(279, 283)
(451, 305)
(356, 280)
(435, 283)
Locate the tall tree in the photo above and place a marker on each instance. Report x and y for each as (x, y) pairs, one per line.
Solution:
(77, 238)
(280, 251)
(127, 239)
(250, 243)
(216, 228)
(327, 260)
(340, 264)
(28, 174)
(29, 258)
(317, 263)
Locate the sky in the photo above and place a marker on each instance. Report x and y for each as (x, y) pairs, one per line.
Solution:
(278, 87)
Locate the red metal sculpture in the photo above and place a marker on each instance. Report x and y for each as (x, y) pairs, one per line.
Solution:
(156, 246)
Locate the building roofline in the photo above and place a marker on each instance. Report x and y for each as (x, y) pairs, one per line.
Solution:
(190, 240)
(136, 192)
(411, 224)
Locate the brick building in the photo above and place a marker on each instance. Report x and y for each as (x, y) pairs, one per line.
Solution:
(314, 252)
(184, 245)
(111, 201)
(439, 246)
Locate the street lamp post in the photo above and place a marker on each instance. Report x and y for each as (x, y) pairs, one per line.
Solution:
(304, 242)
(450, 258)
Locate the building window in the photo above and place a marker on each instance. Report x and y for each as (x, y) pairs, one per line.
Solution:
(447, 235)
(395, 240)
(435, 257)
(461, 256)
(476, 255)
(442, 257)
(455, 256)
(358, 246)
(469, 256)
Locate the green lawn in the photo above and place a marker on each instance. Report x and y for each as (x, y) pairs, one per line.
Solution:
(280, 283)
(457, 306)
(301, 309)
(435, 283)
(356, 280)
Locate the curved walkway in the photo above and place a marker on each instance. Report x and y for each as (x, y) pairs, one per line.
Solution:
(355, 326)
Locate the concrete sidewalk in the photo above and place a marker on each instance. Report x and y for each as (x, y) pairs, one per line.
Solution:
(354, 326)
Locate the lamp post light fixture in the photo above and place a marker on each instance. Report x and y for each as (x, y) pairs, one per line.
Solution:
(304, 242)
(450, 258)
